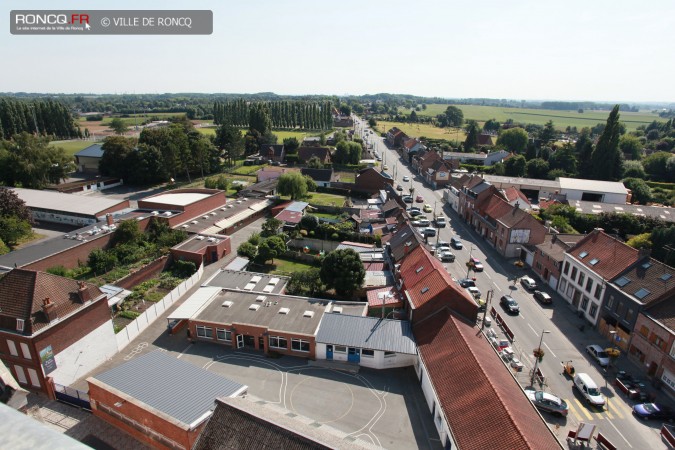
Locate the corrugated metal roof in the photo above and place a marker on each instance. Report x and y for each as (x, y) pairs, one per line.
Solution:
(238, 263)
(93, 151)
(170, 385)
(194, 303)
(367, 332)
(87, 205)
(297, 206)
(579, 184)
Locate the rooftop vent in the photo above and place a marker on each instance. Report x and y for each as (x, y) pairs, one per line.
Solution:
(254, 307)
(256, 279)
(185, 226)
(168, 213)
(424, 290)
(337, 310)
(308, 314)
(155, 213)
(194, 222)
(419, 269)
(284, 310)
(227, 303)
(200, 238)
(249, 287)
(205, 217)
(213, 213)
(261, 298)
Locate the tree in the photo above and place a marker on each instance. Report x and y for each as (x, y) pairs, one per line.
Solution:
(345, 110)
(230, 142)
(452, 117)
(311, 184)
(472, 132)
(12, 206)
(292, 184)
(513, 140)
(127, 232)
(640, 241)
(271, 226)
(606, 159)
(309, 222)
(372, 122)
(29, 161)
(515, 166)
(306, 283)
(639, 189)
(630, 146)
(314, 163)
(12, 229)
(118, 126)
(259, 118)
(670, 169)
(3, 248)
(291, 145)
(101, 261)
(116, 150)
(276, 245)
(547, 133)
(634, 169)
(492, 125)
(661, 237)
(413, 116)
(248, 250)
(565, 160)
(655, 165)
(537, 168)
(343, 271)
(584, 147)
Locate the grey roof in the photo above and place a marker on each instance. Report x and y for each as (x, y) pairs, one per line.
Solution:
(367, 332)
(356, 248)
(297, 206)
(170, 385)
(521, 182)
(248, 281)
(238, 263)
(93, 151)
(318, 174)
(661, 212)
(580, 184)
(32, 253)
(87, 205)
(378, 278)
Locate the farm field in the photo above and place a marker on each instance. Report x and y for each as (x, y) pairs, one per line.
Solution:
(561, 119)
(422, 129)
(281, 134)
(72, 146)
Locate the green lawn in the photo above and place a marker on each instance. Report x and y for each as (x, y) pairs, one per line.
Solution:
(286, 266)
(325, 215)
(426, 130)
(73, 146)
(346, 177)
(320, 198)
(281, 134)
(561, 119)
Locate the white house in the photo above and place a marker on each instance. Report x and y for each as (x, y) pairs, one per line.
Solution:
(593, 190)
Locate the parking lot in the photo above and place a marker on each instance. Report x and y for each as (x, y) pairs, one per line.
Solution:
(383, 408)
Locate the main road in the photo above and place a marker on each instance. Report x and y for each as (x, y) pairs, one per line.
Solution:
(563, 338)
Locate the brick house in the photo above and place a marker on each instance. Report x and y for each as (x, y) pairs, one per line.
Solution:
(588, 266)
(474, 190)
(371, 181)
(272, 152)
(411, 147)
(548, 256)
(653, 343)
(43, 315)
(305, 153)
(271, 173)
(395, 137)
(629, 293)
(438, 174)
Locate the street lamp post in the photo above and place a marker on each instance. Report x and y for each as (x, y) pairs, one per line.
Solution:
(468, 264)
(536, 359)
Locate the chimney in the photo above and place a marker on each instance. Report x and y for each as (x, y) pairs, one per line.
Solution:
(109, 219)
(644, 253)
(82, 292)
(48, 309)
(406, 247)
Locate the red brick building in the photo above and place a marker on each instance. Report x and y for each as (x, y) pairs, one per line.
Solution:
(371, 181)
(203, 249)
(548, 256)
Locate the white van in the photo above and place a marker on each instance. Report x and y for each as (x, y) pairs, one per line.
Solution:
(589, 389)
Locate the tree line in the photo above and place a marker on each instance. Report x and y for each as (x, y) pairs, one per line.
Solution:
(45, 117)
(309, 115)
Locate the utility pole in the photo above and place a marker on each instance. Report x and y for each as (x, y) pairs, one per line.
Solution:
(536, 359)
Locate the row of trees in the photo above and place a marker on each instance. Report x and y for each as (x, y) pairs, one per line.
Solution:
(28, 161)
(310, 115)
(46, 117)
(160, 154)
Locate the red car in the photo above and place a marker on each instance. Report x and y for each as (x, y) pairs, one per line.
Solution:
(419, 199)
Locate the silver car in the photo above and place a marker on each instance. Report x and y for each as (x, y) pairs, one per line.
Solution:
(599, 354)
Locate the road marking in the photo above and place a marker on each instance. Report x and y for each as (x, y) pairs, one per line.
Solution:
(500, 289)
(549, 349)
(609, 414)
(584, 410)
(615, 407)
(574, 411)
(622, 436)
(488, 275)
(533, 330)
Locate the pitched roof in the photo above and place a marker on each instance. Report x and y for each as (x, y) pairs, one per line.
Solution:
(494, 207)
(318, 174)
(646, 280)
(22, 293)
(404, 241)
(579, 184)
(485, 139)
(289, 216)
(555, 245)
(410, 143)
(146, 378)
(367, 332)
(512, 194)
(474, 387)
(93, 151)
(305, 153)
(388, 294)
(271, 150)
(612, 255)
(663, 310)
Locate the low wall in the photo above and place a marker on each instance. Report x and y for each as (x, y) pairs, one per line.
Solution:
(314, 244)
(125, 336)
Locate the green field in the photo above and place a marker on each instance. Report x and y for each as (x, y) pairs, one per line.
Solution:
(287, 267)
(281, 134)
(561, 119)
(71, 147)
(426, 130)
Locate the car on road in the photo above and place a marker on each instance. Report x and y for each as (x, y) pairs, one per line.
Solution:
(649, 411)
(428, 232)
(408, 199)
(442, 243)
(599, 354)
(415, 213)
(543, 297)
(399, 188)
(589, 390)
(440, 221)
(419, 199)
(406, 178)
(509, 304)
(427, 208)
(421, 222)
(477, 265)
(447, 256)
(528, 283)
(456, 243)
(474, 291)
(467, 282)
(545, 401)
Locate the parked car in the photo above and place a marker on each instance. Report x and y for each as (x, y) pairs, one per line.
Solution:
(466, 282)
(408, 199)
(589, 390)
(447, 256)
(419, 199)
(474, 291)
(440, 221)
(653, 411)
(599, 354)
(406, 178)
(422, 222)
(509, 304)
(543, 297)
(399, 188)
(443, 243)
(547, 402)
(385, 167)
(477, 265)
(456, 242)
(415, 213)
(442, 248)
(427, 208)
(428, 232)
(528, 283)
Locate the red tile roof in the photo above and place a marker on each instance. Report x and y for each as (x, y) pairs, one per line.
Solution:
(613, 255)
(511, 193)
(289, 216)
(373, 266)
(482, 403)
(390, 294)
(22, 293)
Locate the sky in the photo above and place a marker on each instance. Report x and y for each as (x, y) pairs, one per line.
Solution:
(596, 50)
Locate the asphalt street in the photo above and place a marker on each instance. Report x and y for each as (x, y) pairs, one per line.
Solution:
(563, 340)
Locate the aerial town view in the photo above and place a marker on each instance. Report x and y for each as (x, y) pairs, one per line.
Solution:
(298, 224)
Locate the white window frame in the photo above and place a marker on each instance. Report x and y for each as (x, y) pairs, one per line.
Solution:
(12, 348)
(34, 379)
(205, 332)
(340, 349)
(227, 333)
(274, 342)
(300, 343)
(19, 324)
(20, 374)
(25, 350)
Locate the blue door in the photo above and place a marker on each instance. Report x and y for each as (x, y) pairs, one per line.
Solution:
(354, 355)
(329, 352)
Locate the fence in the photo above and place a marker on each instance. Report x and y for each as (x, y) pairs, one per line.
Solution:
(72, 396)
(126, 335)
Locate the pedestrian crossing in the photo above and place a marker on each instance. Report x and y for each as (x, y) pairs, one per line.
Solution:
(614, 409)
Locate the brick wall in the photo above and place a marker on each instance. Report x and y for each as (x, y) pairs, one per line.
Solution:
(122, 205)
(544, 264)
(144, 273)
(250, 219)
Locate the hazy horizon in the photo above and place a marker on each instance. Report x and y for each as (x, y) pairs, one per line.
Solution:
(571, 51)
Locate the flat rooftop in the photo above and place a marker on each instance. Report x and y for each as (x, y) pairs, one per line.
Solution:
(199, 242)
(274, 312)
(224, 216)
(178, 199)
(660, 212)
(521, 182)
(87, 205)
(248, 281)
(579, 184)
